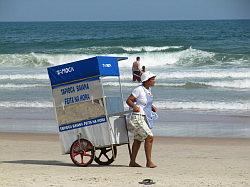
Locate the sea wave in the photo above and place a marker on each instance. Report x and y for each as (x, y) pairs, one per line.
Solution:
(23, 60)
(189, 57)
(227, 84)
(225, 79)
(184, 85)
(122, 49)
(151, 57)
(234, 84)
(194, 74)
(242, 84)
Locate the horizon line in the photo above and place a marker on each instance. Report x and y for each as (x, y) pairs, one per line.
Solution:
(233, 19)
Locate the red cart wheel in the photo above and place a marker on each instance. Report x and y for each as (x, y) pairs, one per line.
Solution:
(82, 152)
(104, 155)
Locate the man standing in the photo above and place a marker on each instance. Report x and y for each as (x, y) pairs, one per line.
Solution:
(136, 70)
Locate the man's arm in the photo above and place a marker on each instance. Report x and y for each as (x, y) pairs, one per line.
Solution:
(131, 103)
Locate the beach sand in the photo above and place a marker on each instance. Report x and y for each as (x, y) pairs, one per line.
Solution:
(36, 160)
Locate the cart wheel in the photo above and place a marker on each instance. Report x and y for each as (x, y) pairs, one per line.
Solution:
(82, 152)
(104, 155)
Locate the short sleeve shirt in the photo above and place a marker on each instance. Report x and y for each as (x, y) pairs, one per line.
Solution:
(141, 98)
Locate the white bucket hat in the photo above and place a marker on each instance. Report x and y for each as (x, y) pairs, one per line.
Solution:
(147, 75)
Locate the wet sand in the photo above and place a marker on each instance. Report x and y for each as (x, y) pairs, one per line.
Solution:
(171, 123)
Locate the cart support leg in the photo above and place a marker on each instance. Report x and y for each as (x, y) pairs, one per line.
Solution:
(113, 152)
(129, 150)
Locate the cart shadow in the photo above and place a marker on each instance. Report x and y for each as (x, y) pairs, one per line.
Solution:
(54, 163)
(39, 162)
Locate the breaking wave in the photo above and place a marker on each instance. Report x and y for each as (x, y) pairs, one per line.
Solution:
(150, 57)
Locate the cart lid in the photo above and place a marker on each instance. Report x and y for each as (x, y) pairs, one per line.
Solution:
(87, 69)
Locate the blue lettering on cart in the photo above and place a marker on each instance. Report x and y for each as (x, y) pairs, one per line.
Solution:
(82, 87)
(82, 124)
(76, 99)
(84, 97)
(75, 82)
(69, 100)
(73, 89)
(68, 90)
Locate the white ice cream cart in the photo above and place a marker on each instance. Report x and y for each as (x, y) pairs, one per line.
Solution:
(91, 122)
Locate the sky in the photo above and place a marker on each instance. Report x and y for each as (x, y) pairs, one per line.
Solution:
(122, 10)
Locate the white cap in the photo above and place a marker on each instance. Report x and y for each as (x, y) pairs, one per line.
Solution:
(147, 75)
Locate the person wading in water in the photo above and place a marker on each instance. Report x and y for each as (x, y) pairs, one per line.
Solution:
(136, 70)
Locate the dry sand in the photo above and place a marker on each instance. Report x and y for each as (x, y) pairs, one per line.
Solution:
(35, 160)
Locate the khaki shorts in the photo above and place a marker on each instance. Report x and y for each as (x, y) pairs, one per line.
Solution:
(142, 131)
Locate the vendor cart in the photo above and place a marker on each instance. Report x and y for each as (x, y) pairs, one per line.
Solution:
(91, 120)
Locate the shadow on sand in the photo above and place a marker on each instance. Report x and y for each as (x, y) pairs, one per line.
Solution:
(54, 163)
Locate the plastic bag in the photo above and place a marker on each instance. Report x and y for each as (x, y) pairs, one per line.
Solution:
(151, 117)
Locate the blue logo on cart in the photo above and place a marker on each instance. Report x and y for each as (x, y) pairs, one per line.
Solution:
(82, 124)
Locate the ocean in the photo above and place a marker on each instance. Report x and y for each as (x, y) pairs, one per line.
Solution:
(200, 65)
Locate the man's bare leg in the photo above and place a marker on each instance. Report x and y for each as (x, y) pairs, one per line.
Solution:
(135, 149)
(148, 151)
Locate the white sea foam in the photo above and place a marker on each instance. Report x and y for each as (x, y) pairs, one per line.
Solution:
(134, 84)
(20, 60)
(239, 74)
(149, 48)
(125, 84)
(20, 86)
(242, 79)
(242, 84)
(205, 74)
(25, 104)
(204, 105)
(158, 59)
(235, 84)
(24, 76)
(57, 59)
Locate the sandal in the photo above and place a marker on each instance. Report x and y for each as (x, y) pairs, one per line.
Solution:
(147, 182)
